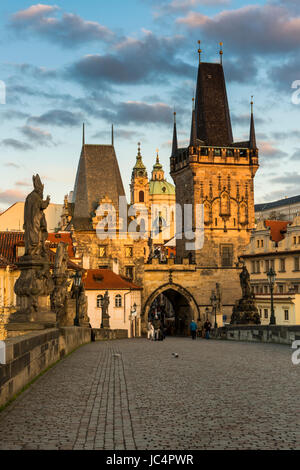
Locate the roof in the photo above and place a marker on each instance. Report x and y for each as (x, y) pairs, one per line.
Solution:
(105, 279)
(161, 187)
(278, 229)
(64, 237)
(9, 241)
(98, 176)
(211, 107)
(281, 202)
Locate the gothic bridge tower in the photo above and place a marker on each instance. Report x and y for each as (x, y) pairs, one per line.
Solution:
(217, 172)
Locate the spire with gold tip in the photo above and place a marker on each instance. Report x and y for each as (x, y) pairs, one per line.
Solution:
(252, 139)
(175, 142)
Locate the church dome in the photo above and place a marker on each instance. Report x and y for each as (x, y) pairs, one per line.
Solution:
(161, 187)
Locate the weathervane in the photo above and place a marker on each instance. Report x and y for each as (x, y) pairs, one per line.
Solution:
(199, 51)
(221, 53)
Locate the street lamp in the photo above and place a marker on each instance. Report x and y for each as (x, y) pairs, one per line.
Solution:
(272, 277)
(213, 301)
(77, 284)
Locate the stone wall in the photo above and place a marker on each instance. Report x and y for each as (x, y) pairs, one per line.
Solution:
(29, 355)
(104, 334)
(260, 333)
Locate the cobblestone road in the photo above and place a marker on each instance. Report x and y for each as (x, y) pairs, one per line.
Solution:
(133, 394)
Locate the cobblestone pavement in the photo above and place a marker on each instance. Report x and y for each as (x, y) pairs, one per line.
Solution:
(133, 394)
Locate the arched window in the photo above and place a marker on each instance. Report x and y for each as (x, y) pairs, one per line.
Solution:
(99, 301)
(118, 300)
(141, 196)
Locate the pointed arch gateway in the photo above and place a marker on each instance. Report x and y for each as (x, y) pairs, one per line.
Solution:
(183, 302)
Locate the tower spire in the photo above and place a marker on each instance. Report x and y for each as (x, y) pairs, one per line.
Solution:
(175, 142)
(221, 53)
(83, 134)
(112, 135)
(193, 138)
(199, 51)
(252, 140)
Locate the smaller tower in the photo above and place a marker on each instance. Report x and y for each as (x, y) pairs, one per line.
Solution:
(252, 139)
(139, 187)
(175, 142)
(158, 172)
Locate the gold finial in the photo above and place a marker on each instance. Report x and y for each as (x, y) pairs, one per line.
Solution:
(199, 51)
(157, 156)
(174, 116)
(252, 104)
(193, 103)
(139, 149)
(221, 53)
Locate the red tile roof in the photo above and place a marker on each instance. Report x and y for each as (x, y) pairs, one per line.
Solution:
(64, 237)
(9, 241)
(100, 279)
(278, 229)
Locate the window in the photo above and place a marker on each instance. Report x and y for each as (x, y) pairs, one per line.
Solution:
(266, 289)
(257, 267)
(296, 288)
(261, 243)
(102, 251)
(99, 301)
(129, 272)
(296, 264)
(252, 267)
(141, 196)
(118, 300)
(257, 289)
(280, 288)
(295, 240)
(267, 265)
(234, 222)
(266, 312)
(286, 315)
(226, 255)
(216, 221)
(260, 314)
(298, 239)
(129, 251)
(272, 261)
(217, 152)
(282, 264)
(257, 243)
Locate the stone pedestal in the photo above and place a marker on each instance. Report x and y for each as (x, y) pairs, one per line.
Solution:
(245, 312)
(33, 289)
(105, 320)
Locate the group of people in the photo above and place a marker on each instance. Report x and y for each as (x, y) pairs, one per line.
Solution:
(194, 329)
(155, 330)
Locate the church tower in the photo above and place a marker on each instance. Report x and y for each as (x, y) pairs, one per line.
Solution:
(139, 187)
(216, 172)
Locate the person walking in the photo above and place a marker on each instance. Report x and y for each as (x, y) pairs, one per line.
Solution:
(157, 326)
(207, 327)
(193, 329)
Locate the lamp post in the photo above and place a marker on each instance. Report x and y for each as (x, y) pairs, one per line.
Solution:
(213, 300)
(77, 285)
(272, 277)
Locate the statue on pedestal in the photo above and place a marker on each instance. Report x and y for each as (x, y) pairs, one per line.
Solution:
(105, 315)
(35, 284)
(245, 311)
(61, 283)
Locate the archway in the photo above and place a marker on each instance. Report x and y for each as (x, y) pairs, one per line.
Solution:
(175, 305)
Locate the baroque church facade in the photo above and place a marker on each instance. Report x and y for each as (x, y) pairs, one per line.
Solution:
(214, 172)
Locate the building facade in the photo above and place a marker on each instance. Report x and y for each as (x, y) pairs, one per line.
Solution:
(276, 244)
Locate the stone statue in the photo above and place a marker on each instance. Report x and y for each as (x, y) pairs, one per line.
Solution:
(245, 311)
(150, 245)
(35, 284)
(83, 309)
(35, 225)
(105, 315)
(61, 283)
(245, 283)
(219, 297)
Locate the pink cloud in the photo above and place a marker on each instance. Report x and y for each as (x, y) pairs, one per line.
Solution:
(10, 196)
(34, 11)
(263, 28)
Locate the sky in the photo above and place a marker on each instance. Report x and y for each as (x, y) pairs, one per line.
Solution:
(131, 63)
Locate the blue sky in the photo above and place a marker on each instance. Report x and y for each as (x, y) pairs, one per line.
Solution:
(130, 63)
